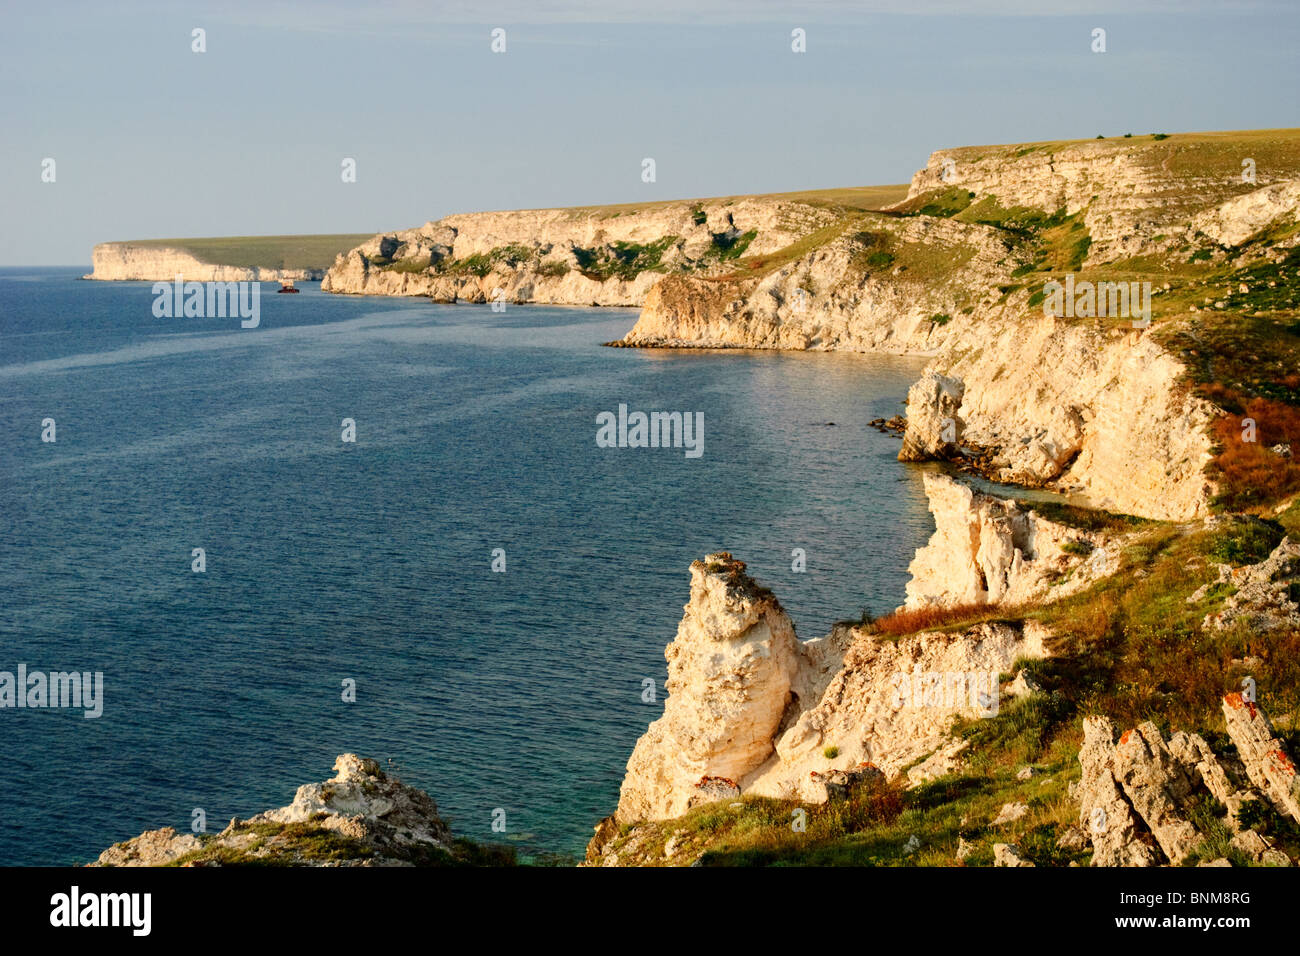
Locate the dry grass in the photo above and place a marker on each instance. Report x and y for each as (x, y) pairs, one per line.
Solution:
(939, 617)
(1250, 476)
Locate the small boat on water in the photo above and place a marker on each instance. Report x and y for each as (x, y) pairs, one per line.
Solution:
(286, 285)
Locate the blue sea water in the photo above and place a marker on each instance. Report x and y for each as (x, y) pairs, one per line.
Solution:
(371, 561)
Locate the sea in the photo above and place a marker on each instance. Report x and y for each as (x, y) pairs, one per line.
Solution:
(472, 591)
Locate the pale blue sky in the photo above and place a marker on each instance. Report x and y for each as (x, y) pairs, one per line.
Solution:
(152, 140)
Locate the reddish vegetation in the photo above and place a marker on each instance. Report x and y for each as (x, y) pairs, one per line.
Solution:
(1123, 738)
(1248, 472)
(930, 617)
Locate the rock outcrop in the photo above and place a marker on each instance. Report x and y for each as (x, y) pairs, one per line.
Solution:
(1269, 767)
(934, 430)
(873, 287)
(989, 550)
(730, 673)
(1237, 220)
(1133, 193)
(753, 711)
(610, 256)
(1265, 595)
(1138, 798)
(361, 817)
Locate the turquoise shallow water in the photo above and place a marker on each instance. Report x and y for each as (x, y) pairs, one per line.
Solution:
(371, 561)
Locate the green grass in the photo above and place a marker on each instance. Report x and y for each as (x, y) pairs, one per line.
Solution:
(307, 843)
(624, 260)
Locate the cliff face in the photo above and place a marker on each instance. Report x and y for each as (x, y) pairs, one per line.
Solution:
(988, 550)
(599, 256)
(955, 270)
(1102, 415)
(115, 261)
(1129, 191)
(754, 711)
(884, 284)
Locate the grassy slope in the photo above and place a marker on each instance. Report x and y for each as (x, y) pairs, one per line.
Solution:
(852, 197)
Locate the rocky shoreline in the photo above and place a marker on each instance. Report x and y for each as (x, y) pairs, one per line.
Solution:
(1012, 608)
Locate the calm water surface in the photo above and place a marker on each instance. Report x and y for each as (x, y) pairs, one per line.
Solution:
(371, 561)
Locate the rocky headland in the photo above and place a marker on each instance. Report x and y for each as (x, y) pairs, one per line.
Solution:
(360, 817)
(230, 259)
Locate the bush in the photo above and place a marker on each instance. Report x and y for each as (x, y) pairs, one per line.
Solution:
(935, 616)
(1250, 475)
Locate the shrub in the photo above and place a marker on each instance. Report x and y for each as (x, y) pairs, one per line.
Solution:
(1250, 475)
(553, 269)
(935, 616)
(727, 246)
(830, 753)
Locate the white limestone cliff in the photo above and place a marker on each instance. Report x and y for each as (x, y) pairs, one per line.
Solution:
(121, 261)
(730, 673)
(610, 256)
(1105, 417)
(989, 550)
(754, 711)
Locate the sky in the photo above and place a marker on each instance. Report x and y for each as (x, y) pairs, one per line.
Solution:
(153, 140)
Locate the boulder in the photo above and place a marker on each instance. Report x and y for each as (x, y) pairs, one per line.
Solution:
(934, 430)
(1005, 854)
(1118, 836)
(1269, 767)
